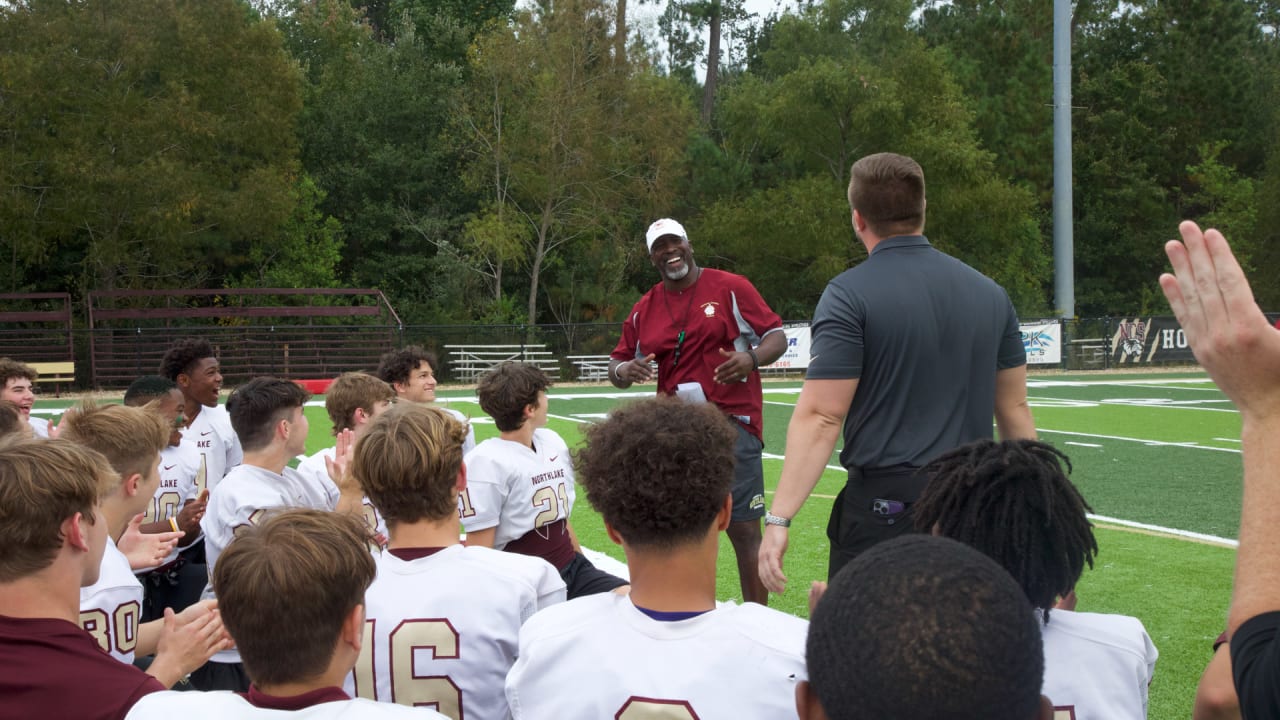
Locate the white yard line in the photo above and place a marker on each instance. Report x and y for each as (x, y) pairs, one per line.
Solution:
(1080, 444)
(1155, 443)
(1183, 534)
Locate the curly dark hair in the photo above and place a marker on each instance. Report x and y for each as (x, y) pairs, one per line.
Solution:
(396, 365)
(658, 470)
(1012, 501)
(259, 404)
(924, 627)
(10, 368)
(507, 389)
(180, 356)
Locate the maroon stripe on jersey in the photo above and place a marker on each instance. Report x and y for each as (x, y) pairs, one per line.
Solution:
(550, 542)
(409, 554)
(257, 698)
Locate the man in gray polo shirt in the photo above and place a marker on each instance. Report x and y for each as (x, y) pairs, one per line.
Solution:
(912, 354)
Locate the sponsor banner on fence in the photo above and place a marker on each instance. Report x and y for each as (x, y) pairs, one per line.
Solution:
(1043, 341)
(797, 355)
(1149, 340)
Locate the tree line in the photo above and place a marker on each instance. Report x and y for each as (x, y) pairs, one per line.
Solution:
(486, 163)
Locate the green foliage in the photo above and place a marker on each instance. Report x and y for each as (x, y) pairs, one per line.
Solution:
(305, 252)
(841, 82)
(578, 148)
(146, 143)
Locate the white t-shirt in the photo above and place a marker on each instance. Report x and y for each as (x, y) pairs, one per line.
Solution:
(442, 630)
(469, 443)
(516, 488)
(737, 661)
(314, 470)
(222, 704)
(210, 434)
(110, 609)
(39, 426)
(244, 497)
(1097, 666)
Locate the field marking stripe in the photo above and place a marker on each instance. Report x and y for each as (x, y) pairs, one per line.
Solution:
(1162, 443)
(1080, 444)
(1171, 532)
(775, 456)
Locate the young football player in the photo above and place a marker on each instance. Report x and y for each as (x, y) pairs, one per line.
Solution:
(923, 628)
(352, 402)
(54, 536)
(110, 609)
(410, 371)
(292, 594)
(177, 504)
(17, 385)
(520, 490)
(268, 418)
(659, 472)
(1011, 501)
(443, 619)
(192, 364)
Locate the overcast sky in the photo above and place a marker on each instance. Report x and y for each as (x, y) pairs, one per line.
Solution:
(644, 18)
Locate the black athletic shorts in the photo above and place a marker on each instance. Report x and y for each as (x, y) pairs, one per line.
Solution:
(583, 578)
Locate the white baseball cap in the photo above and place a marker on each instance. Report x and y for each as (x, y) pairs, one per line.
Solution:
(665, 226)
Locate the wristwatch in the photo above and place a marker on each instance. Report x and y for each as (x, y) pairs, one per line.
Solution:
(771, 519)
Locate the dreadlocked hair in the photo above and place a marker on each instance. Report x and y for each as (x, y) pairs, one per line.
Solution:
(1012, 501)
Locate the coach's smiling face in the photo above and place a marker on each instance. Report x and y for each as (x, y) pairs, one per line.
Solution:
(673, 256)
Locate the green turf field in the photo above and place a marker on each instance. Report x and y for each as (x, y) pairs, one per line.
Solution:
(1157, 456)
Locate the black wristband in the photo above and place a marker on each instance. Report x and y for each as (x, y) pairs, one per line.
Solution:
(755, 361)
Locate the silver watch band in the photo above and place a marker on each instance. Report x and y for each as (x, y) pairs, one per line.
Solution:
(771, 519)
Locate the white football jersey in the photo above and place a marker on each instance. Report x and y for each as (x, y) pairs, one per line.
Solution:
(515, 488)
(210, 434)
(1097, 667)
(737, 661)
(179, 465)
(441, 631)
(39, 426)
(221, 704)
(314, 470)
(110, 609)
(244, 497)
(469, 443)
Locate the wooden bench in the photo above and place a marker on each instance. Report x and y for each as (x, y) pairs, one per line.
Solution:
(590, 367)
(469, 362)
(56, 373)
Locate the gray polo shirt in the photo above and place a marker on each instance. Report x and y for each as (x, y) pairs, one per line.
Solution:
(924, 334)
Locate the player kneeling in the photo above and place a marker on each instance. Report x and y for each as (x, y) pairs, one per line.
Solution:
(409, 464)
(291, 591)
(659, 472)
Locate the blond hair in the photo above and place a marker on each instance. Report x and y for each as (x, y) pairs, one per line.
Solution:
(42, 483)
(407, 463)
(129, 437)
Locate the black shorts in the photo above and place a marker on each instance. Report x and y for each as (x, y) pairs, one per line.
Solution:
(583, 578)
(748, 477)
(874, 505)
(220, 676)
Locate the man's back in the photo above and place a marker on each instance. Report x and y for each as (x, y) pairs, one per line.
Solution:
(736, 661)
(51, 668)
(442, 628)
(925, 335)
